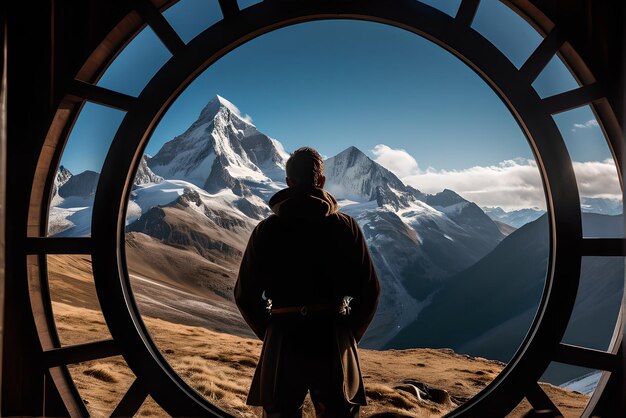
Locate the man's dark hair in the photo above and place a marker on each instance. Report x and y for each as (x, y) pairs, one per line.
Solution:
(305, 167)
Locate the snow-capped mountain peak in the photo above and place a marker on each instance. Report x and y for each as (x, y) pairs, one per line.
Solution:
(217, 105)
(353, 175)
(221, 149)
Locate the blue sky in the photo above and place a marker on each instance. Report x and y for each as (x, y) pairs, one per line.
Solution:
(332, 84)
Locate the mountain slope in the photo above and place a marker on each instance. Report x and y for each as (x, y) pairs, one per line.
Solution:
(487, 309)
(217, 234)
(446, 232)
(504, 284)
(81, 185)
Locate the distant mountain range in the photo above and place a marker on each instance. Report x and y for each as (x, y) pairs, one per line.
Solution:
(469, 277)
(514, 218)
(520, 217)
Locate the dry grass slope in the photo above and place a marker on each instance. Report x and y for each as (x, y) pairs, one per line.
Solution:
(219, 365)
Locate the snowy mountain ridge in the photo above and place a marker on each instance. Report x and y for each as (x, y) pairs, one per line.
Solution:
(520, 217)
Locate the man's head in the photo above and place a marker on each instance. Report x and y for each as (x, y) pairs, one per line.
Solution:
(305, 167)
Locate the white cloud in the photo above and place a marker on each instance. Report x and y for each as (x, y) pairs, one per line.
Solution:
(245, 117)
(511, 184)
(398, 161)
(591, 123)
(598, 179)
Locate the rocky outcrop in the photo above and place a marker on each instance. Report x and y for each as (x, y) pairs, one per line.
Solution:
(144, 174)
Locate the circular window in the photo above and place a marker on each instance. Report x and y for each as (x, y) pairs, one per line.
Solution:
(510, 76)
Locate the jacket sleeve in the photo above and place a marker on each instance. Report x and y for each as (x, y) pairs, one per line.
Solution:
(249, 287)
(365, 302)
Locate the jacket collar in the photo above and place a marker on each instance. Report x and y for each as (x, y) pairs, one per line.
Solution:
(303, 202)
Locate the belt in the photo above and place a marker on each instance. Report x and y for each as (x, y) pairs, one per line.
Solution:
(303, 310)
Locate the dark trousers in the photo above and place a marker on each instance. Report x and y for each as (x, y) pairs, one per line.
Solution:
(325, 406)
(310, 365)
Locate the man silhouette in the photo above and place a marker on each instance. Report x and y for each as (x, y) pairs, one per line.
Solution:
(308, 289)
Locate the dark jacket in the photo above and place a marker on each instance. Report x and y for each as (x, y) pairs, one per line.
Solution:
(307, 253)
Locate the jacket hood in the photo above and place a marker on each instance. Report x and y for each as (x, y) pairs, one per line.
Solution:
(308, 202)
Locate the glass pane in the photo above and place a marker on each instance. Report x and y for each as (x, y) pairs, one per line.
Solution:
(506, 30)
(102, 383)
(596, 174)
(555, 78)
(190, 17)
(450, 7)
(75, 304)
(81, 163)
(570, 387)
(151, 409)
(136, 64)
(598, 302)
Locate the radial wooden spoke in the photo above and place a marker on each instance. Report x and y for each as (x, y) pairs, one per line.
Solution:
(80, 353)
(79, 90)
(160, 26)
(586, 357)
(467, 11)
(229, 8)
(82, 245)
(573, 98)
(132, 400)
(542, 56)
(541, 402)
(609, 247)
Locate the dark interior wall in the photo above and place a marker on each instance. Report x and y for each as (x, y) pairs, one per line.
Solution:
(28, 110)
(48, 42)
(47, 45)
